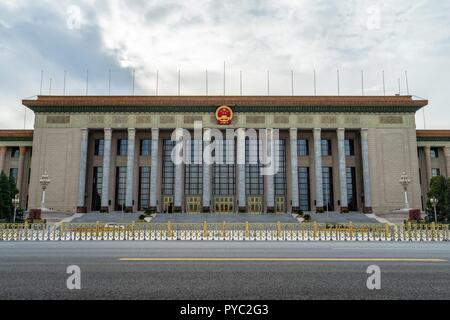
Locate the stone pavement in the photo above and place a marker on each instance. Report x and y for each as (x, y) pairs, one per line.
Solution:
(334, 217)
(217, 218)
(111, 217)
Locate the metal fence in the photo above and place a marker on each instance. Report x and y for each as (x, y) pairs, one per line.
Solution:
(224, 231)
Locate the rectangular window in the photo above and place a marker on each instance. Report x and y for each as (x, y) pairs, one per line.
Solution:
(435, 172)
(351, 189)
(168, 174)
(254, 181)
(122, 147)
(13, 172)
(302, 148)
(99, 147)
(146, 147)
(326, 147)
(280, 176)
(144, 188)
(193, 179)
(303, 188)
(223, 168)
(434, 152)
(15, 152)
(327, 179)
(121, 187)
(349, 147)
(97, 186)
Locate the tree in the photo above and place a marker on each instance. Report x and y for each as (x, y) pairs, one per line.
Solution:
(439, 189)
(8, 191)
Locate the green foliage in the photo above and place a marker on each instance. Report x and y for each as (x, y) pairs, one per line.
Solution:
(307, 217)
(440, 189)
(8, 191)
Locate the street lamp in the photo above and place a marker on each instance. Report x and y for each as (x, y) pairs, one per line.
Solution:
(16, 201)
(405, 181)
(434, 203)
(44, 181)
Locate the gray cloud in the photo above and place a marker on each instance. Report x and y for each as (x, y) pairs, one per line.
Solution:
(252, 36)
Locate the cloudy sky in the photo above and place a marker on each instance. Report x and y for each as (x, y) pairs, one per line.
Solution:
(251, 36)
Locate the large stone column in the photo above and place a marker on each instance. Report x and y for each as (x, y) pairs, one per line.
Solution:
(81, 207)
(342, 169)
(2, 158)
(207, 159)
(366, 171)
(268, 148)
(294, 170)
(130, 170)
(21, 167)
(178, 196)
(154, 170)
(447, 160)
(429, 174)
(106, 170)
(240, 148)
(318, 169)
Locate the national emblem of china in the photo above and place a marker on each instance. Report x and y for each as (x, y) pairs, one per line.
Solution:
(224, 115)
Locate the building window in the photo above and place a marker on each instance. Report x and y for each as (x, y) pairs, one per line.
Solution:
(146, 147)
(224, 172)
(349, 147)
(326, 147)
(280, 176)
(302, 148)
(97, 185)
(434, 152)
(13, 172)
(327, 179)
(99, 147)
(193, 173)
(351, 189)
(122, 147)
(254, 181)
(435, 172)
(15, 152)
(168, 174)
(121, 187)
(144, 188)
(303, 188)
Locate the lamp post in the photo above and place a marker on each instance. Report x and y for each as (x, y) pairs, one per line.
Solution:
(44, 181)
(16, 201)
(405, 181)
(434, 203)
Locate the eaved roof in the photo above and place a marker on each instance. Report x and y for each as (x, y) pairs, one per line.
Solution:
(240, 103)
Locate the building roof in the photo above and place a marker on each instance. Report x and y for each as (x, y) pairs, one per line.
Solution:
(208, 104)
(99, 101)
(433, 135)
(16, 135)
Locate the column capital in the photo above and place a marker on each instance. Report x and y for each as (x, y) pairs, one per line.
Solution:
(131, 133)
(155, 133)
(293, 133)
(108, 133)
(22, 150)
(340, 133)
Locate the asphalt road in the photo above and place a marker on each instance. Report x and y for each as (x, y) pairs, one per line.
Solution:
(224, 270)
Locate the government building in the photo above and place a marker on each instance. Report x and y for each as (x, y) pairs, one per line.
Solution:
(113, 153)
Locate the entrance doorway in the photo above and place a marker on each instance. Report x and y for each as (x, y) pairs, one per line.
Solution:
(280, 205)
(224, 204)
(168, 204)
(193, 204)
(255, 204)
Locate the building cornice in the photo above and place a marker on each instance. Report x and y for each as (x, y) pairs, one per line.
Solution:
(208, 104)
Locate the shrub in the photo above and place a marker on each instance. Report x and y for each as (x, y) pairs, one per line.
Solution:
(142, 217)
(307, 217)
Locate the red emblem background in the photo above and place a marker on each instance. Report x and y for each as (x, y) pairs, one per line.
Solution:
(224, 115)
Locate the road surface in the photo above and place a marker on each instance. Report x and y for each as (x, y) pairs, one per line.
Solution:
(224, 270)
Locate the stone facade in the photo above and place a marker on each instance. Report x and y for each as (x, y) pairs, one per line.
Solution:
(381, 130)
